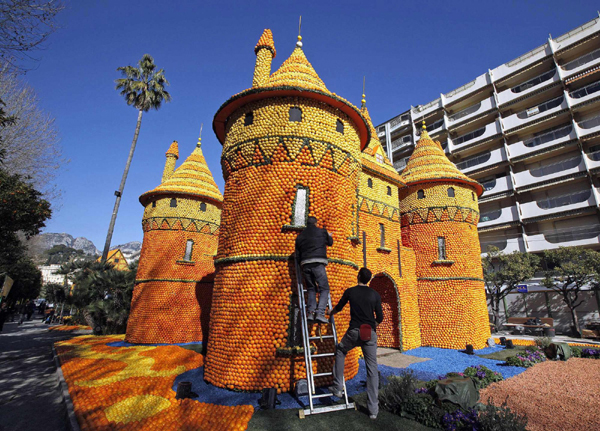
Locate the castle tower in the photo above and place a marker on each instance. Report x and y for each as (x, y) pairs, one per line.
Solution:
(439, 215)
(265, 53)
(172, 156)
(291, 149)
(381, 249)
(173, 293)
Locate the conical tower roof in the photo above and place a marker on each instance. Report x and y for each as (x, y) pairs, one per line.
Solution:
(295, 77)
(428, 163)
(297, 71)
(173, 150)
(192, 178)
(368, 156)
(266, 41)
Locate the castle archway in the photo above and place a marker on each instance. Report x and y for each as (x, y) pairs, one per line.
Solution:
(388, 332)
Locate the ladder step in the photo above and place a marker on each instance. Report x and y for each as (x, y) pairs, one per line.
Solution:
(322, 374)
(323, 337)
(328, 394)
(322, 355)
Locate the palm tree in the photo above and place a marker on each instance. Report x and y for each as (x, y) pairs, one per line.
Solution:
(143, 87)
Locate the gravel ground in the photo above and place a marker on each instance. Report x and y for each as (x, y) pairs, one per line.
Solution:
(554, 395)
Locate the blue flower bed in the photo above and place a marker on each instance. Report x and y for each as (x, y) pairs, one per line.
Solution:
(442, 361)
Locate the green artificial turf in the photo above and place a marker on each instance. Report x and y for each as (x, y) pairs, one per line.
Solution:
(501, 355)
(344, 420)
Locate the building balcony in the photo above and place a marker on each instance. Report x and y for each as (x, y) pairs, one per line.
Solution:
(584, 94)
(526, 60)
(543, 139)
(577, 237)
(535, 112)
(593, 159)
(588, 126)
(477, 135)
(402, 142)
(471, 112)
(487, 158)
(497, 185)
(551, 171)
(558, 204)
(424, 110)
(506, 245)
(528, 87)
(586, 61)
(577, 34)
(400, 121)
(469, 88)
(499, 216)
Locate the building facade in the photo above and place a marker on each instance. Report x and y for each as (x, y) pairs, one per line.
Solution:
(529, 132)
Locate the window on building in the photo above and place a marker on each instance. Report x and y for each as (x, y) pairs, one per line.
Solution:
(249, 118)
(370, 183)
(420, 194)
(299, 211)
(379, 158)
(441, 248)
(189, 246)
(295, 114)
(339, 126)
(381, 235)
(473, 195)
(451, 192)
(389, 191)
(202, 207)
(173, 203)
(153, 204)
(117, 260)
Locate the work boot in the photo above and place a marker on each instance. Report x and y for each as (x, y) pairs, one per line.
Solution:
(321, 319)
(336, 392)
(310, 316)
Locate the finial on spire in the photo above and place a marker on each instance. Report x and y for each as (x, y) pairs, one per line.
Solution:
(200, 136)
(424, 127)
(299, 43)
(364, 100)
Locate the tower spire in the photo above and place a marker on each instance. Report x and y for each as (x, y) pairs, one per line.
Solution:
(363, 102)
(199, 144)
(299, 43)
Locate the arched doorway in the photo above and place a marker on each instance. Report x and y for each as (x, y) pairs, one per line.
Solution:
(388, 332)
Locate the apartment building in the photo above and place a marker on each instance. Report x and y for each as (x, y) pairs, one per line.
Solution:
(529, 131)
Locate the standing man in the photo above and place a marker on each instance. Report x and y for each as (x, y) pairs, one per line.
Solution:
(365, 315)
(311, 252)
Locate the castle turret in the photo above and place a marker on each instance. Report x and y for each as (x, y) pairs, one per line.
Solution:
(291, 149)
(172, 156)
(173, 292)
(439, 215)
(392, 264)
(265, 53)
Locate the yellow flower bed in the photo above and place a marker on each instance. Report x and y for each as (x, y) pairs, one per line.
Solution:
(130, 388)
(70, 328)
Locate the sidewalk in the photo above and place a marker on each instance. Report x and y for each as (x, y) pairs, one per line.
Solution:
(29, 395)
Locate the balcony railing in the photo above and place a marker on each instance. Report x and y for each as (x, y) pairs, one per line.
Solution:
(496, 185)
(490, 215)
(499, 216)
(592, 88)
(548, 135)
(400, 121)
(561, 165)
(469, 136)
(400, 164)
(576, 234)
(543, 107)
(566, 199)
(506, 245)
(401, 142)
(590, 123)
(467, 111)
(474, 161)
(533, 82)
(582, 61)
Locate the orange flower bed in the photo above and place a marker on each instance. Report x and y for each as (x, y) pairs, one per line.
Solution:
(70, 328)
(130, 388)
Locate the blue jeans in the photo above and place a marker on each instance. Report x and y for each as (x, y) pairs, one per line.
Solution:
(315, 278)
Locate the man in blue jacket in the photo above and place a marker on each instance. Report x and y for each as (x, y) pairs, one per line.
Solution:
(311, 252)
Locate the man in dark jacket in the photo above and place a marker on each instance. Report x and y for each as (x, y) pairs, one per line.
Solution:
(365, 315)
(311, 252)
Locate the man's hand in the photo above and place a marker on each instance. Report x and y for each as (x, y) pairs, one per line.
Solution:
(331, 316)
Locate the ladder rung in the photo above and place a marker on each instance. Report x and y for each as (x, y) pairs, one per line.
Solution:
(329, 394)
(322, 355)
(318, 338)
(322, 374)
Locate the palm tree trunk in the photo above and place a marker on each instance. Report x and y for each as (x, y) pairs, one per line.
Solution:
(118, 193)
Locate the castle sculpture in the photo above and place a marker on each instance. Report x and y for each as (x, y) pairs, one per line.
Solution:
(220, 269)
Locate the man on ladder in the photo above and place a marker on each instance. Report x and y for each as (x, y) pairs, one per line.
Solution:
(311, 252)
(365, 315)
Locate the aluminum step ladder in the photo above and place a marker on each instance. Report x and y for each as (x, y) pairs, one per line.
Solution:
(308, 358)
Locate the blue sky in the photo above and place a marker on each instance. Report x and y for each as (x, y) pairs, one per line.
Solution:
(408, 51)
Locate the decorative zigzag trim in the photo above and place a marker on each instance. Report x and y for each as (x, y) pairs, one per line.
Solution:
(180, 223)
(436, 214)
(276, 258)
